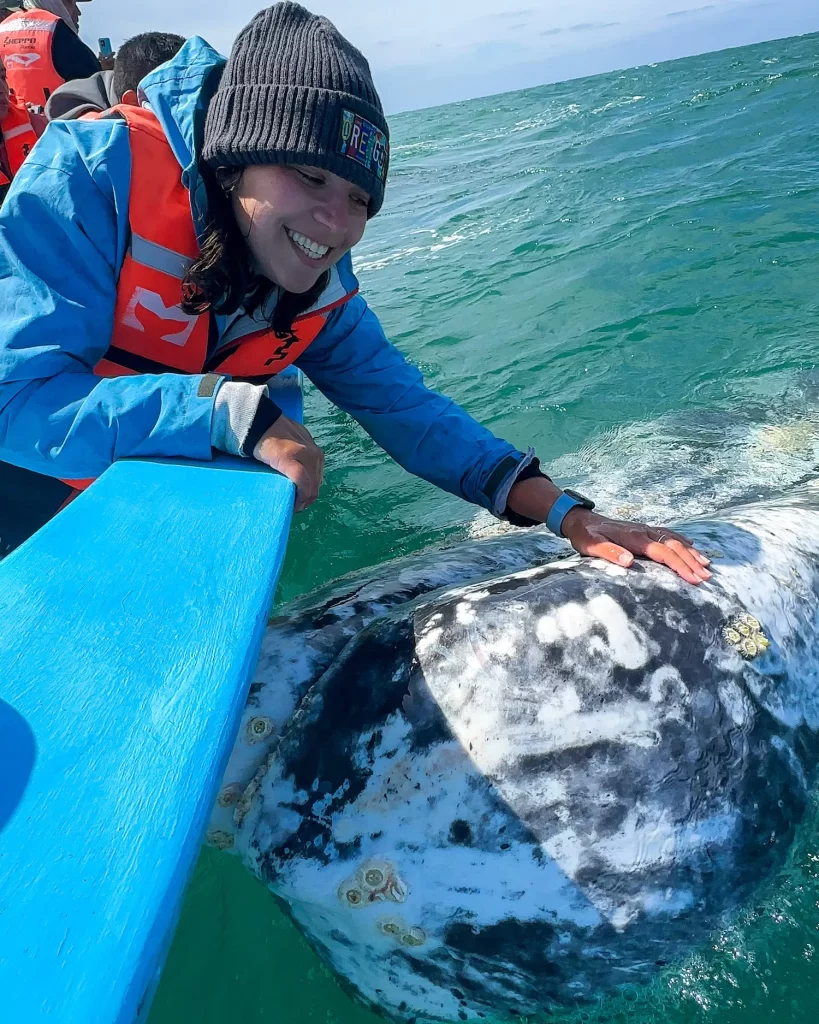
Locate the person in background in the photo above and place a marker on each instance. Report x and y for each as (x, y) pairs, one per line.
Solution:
(136, 58)
(41, 49)
(19, 130)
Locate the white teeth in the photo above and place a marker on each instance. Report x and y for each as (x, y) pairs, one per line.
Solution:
(308, 246)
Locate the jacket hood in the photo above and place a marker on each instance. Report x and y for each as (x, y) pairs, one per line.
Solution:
(82, 96)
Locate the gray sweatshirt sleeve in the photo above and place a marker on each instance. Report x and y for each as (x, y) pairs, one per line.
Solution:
(233, 414)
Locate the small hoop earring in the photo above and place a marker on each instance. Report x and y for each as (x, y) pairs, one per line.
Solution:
(228, 179)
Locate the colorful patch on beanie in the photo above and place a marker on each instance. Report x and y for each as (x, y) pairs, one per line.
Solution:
(361, 141)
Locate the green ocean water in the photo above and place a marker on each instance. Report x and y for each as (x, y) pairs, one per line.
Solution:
(621, 272)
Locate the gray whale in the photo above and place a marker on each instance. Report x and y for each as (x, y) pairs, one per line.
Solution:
(495, 780)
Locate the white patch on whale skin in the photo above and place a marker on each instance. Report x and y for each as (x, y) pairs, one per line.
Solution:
(665, 684)
(735, 703)
(429, 639)
(565, 703)
(547, 630)
(273, 830)
(625, 647)
(632, 723)
(567, 850)
(608, 568)
(465, 614)
(573, 620)
(648, 836)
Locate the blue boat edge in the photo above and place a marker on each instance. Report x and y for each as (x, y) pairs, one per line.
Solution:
(124, 676)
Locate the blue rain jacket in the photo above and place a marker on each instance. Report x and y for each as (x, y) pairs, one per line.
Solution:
(63, 238)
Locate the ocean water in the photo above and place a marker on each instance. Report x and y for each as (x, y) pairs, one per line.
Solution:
(621, 272)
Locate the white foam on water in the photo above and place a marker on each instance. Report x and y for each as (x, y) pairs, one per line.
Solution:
(685, 464)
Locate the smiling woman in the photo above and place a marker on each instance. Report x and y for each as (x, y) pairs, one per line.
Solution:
(269, 204)
(192, 248)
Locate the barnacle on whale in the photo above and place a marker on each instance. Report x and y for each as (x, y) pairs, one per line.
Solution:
(258, 729)
(221, 840)
(392, 926)
(414, 937)
(229, 795)
(395, 927)
(744, 634)
(375, 881)
(351, 896)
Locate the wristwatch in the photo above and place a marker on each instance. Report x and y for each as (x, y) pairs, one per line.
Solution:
(568, 500)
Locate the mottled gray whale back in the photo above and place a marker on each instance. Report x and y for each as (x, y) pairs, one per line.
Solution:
(482, 800)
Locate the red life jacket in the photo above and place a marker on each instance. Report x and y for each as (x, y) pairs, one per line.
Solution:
(151, 333)
(18, 137)
(26, 41)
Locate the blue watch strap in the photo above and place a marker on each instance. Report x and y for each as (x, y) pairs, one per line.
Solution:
(564, 504)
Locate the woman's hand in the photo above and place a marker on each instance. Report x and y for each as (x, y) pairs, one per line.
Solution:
(619, 542)
(289, 448)
(611, 539)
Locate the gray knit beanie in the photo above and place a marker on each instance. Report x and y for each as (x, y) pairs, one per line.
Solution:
(295, 91)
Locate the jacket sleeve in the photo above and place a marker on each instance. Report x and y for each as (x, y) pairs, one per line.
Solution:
(63, 235)
(356, 367)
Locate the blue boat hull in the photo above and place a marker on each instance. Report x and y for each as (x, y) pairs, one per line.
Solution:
(129, 630)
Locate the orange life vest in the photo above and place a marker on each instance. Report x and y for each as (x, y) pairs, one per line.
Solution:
(18, 136)
(151, 333)
(26, 40)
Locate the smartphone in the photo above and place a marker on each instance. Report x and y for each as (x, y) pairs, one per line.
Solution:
(105, 47)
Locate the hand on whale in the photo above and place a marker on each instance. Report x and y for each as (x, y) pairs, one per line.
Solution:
(617, 541)
(487, 799)
(613, 540)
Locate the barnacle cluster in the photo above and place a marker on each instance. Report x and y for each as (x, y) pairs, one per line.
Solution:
(395, 928)
(376, 881)
(744, 634)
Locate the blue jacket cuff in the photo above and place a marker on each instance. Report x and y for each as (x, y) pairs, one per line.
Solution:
(502, 480)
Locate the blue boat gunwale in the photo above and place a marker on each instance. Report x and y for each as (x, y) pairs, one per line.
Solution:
(129, 631)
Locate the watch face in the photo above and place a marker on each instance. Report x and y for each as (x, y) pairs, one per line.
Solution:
(584, 501)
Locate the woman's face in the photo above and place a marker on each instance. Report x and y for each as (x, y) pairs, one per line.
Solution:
(298, 221)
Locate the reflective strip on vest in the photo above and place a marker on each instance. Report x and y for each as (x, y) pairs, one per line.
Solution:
(18, 135)
(21, 129)
(29, 23)
(157, 257)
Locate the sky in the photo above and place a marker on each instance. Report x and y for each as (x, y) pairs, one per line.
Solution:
(428, 52)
